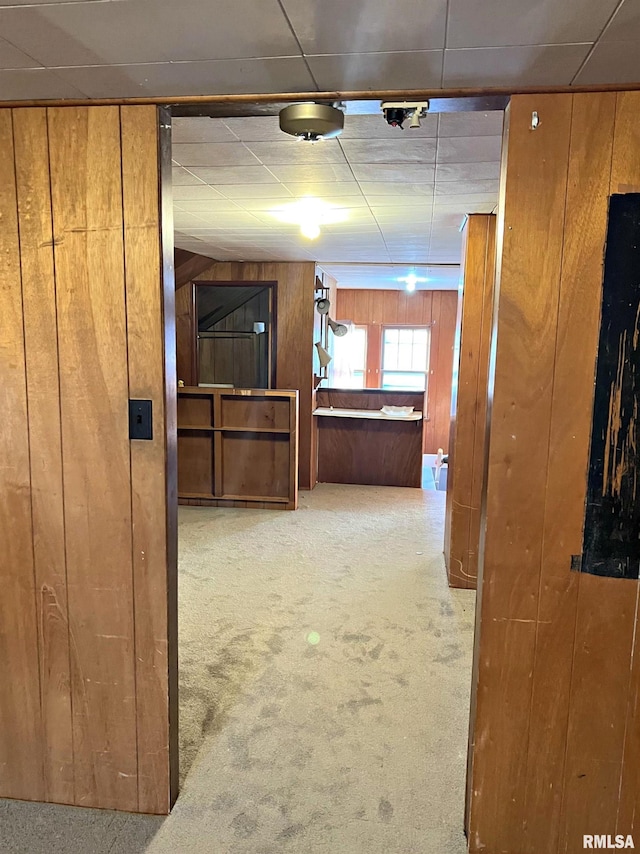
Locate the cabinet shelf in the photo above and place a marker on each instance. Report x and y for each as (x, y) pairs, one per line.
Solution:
(202, 429)
(283, 430)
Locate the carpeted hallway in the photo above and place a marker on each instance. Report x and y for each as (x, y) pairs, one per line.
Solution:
(325, 670)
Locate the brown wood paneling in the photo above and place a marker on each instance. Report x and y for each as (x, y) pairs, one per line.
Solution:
(625, 177)
(294, 346)
(195, 462)
(89, 259)
(184, 334)
(145, 340)
(468, 419)
(439, 408)
(21, 734)
(377, 308)
(383, 453)
(576, 344)
(245, 450)
(600, 737)
(529, 284)
(84, 713)
(255, 464)
(41, 344)
(188, 265)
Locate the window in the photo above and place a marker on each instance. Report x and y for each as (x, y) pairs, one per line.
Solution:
(405, 358)
(349, 359)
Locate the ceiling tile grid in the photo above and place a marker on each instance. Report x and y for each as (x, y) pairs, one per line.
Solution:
(404, 195)
(129, 48)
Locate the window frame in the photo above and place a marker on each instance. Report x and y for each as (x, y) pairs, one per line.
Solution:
(426, 373)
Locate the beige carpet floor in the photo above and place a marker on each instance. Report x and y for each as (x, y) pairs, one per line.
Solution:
(325, 670)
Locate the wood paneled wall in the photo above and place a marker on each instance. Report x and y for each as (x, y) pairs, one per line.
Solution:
(556, 711)
(375, 308)
(88, 529)
(467, 437)
(294, 344)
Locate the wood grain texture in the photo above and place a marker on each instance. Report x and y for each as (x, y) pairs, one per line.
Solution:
(81, 293)
(576, 345)
(377, 308)
(382, 453)
(145, 343)
(625, 177)
(238, 446)
(89, 259)
(468, 411)
(527, 309)
(21, 734)
(41, 345)
(294, 348)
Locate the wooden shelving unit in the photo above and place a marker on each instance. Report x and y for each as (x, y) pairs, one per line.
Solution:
(238, 447)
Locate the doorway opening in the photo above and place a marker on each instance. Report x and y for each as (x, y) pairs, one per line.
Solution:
(313, 642)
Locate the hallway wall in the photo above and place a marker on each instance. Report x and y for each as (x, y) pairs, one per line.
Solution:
(557, 675)
(375, 308)
(88, 530)
(467, 436)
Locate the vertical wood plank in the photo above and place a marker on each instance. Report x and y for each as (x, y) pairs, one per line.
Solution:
(86, 188)
(575, 353)
(145, 337)
(625, 177)
(466, 463)
(21, 746)
(41, 346)
(603, 746)
(532, 230)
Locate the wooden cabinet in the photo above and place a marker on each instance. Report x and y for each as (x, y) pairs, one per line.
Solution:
(238, 448)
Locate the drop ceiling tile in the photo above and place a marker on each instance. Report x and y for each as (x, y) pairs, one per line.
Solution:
(367, 71)
(255, 128)
(234, 175)
(184, 221)
(389, 151)
(182, 178)
(133, 31)
(200, 129)
(314, 174)
(540, 65)
(391, 173)
(461, 199)
(213, 154)
(494, 23)
(333, 26)
(173, 79)
(375, 127)
(454, 188)
(324, 190)
(288, 151)
(466, 149)
(183, 193)
(625, 24)
(27, 83)
(467, 172)
(11, 57)
(412, 215)
(199, 207)
(471, 124)
(255, 192)
(259, 206)
(389, 192)
(611, 62)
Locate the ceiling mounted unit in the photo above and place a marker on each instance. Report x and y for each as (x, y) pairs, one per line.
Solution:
(312, 122)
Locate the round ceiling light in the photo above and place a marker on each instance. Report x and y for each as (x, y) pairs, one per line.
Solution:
(311, 122)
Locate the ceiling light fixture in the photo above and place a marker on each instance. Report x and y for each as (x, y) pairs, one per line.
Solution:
(310, 214)
(411, 280)
(312, 122)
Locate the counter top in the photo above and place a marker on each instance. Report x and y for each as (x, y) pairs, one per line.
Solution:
(368, 414)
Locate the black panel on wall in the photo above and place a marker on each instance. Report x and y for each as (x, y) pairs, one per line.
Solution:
(611, 545)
